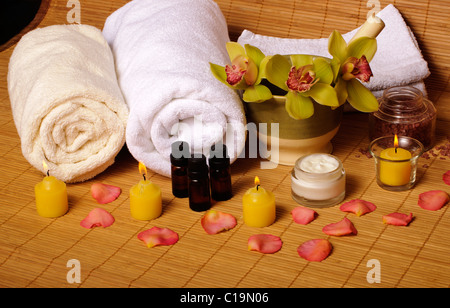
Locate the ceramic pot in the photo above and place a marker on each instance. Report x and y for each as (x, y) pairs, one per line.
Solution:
(295, 138)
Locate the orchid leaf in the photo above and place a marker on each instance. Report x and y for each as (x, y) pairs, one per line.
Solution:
(256, 94)
(234, 50)
(337, 46)
(341, 91)
(301, 60)
(336, 67)
(254, 53)
(324, 94)
(298, 106)
(219, 72)
(323, 70)
(262, 69)
(360, 97)
(363, 46)
(277, 71)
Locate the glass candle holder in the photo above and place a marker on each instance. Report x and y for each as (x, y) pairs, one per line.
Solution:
(318, 180)
(396, 162)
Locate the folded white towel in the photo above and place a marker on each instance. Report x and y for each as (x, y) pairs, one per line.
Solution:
(162, 51)
(420, 85)
(67, 105)
(397, 62)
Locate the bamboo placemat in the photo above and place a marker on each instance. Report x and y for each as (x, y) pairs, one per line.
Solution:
(34, 251)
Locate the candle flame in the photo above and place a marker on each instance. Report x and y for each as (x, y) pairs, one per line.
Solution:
(142, 169)
(45, 166)
(395, 141)
(257, 181)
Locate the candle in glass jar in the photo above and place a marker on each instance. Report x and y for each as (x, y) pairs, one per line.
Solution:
(318, 180)
(145, 198)
(51, 196)
(258, 206)
(393, 172)
(396, 161)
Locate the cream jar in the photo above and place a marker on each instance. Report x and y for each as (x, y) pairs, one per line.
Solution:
(318, 180)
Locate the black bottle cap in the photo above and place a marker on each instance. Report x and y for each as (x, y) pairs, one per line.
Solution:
(180, 154)
(219, 155)
(197, 164)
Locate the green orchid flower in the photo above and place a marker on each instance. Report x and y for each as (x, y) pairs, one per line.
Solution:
(350, 65)
(244, 73)
(306, 79)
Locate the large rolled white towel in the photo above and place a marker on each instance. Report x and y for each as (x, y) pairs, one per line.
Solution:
(162, 51)
(67, 105)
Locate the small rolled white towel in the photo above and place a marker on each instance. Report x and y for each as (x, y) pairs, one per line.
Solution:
(397, 62)
(67, 105)
(162, 51)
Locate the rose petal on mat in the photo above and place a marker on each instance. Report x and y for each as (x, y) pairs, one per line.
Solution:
(315, 250)
(446, 177)
(214, 222)
(265, 243)
(358, 207)
(433, 200)
(397, 219)
(104, 193)
(343, 227)
(97, 218)
(158, 236)
(303, 215)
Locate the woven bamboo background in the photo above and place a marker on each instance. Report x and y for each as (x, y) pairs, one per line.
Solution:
(34, 251)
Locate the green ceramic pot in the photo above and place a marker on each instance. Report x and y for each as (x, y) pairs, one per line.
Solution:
(295, 137)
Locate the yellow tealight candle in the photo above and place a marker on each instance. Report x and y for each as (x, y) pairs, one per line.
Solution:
(51, 196)
(258, 206)
(145, 198)
(393, 171)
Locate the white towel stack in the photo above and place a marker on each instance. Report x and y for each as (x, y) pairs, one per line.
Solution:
(67, 105)
(162, 51)
(398, 61)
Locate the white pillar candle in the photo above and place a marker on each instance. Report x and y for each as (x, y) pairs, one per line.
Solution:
(318, 180)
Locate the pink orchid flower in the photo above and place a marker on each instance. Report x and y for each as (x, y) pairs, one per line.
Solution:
(301, 79)
(356, 68)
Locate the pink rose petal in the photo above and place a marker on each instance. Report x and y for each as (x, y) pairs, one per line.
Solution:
(446, 177)
(397, 219)
(433, 200)
(97, 218)
(214, 222)
(358, 207)
(158, 236)
(104, 193)
(343, 227)
(265, 243)
(315, 250)
(303, 215)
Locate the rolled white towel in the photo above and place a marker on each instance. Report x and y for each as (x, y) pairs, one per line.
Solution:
(397, 62)
(67, 106)
(162, 51)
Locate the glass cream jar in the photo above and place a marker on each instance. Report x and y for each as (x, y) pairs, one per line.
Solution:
(318, 180)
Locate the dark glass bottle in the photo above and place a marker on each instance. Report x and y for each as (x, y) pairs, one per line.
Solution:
(199, 194)
(179, 168)
(220, 173)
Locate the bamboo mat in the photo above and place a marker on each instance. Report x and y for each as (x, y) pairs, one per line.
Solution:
(34, 251)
